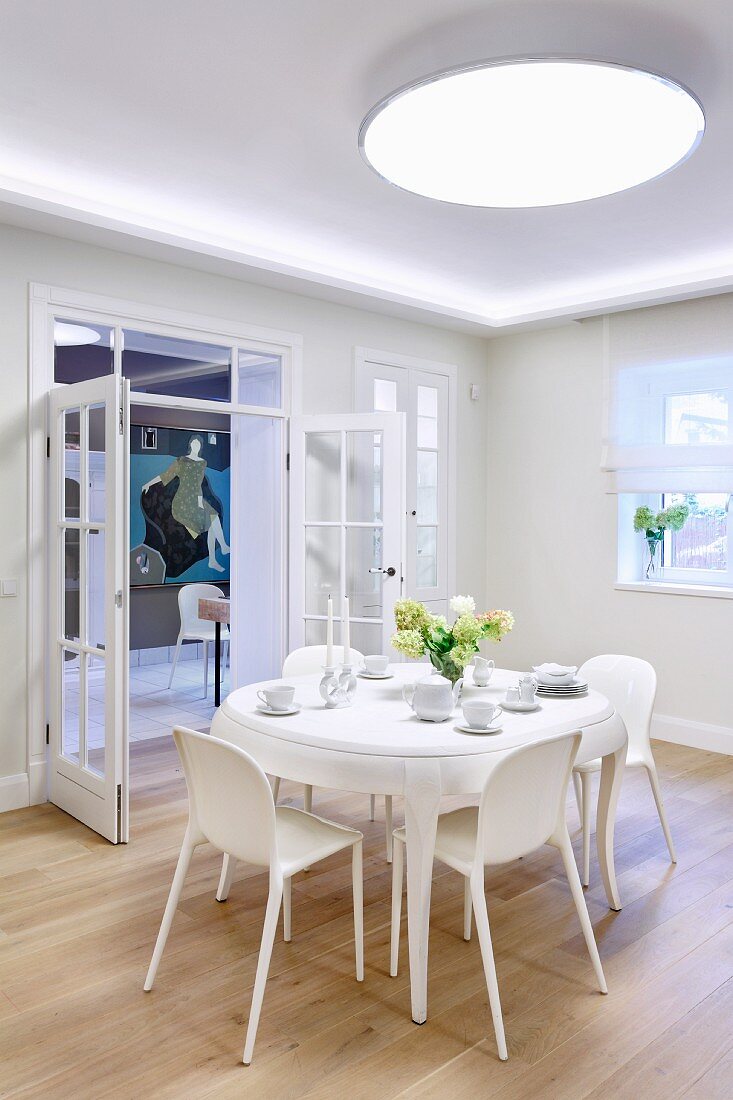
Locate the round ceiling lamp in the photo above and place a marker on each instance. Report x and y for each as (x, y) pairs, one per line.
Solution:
(66, 335)
(531, 132)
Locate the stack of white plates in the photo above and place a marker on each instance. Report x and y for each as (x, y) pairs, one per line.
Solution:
(560, 691)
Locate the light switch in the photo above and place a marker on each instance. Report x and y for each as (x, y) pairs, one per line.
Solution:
(9, 588)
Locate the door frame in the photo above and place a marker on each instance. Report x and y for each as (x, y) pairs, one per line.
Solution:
(45, 301)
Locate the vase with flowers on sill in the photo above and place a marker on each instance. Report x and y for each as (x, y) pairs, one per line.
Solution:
(653, 525)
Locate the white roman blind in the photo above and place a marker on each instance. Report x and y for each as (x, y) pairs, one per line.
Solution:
(669, 398)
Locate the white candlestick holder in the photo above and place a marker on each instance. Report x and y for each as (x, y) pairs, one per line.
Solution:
(337, 688)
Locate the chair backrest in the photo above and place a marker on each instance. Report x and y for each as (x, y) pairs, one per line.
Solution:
(631, 685)
(188, 607)
(523, 800)
(312, 658)
(230, 799)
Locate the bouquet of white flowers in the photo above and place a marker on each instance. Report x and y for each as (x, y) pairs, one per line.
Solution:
(450, 648)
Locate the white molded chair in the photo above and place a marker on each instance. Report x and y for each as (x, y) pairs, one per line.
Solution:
(631, 685)
(231, 807)
(302, 662)
(194, 629)
(521, 808)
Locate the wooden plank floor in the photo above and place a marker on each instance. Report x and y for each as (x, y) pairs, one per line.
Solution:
(78, 919)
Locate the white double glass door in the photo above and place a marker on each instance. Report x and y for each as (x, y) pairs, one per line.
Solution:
(346, 526)
(88, 643)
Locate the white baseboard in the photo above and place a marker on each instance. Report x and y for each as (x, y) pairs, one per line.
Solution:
(14, 792)
(697, 735)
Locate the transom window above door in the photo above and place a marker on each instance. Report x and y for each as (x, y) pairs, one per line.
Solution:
(425, 392)
(162, 365)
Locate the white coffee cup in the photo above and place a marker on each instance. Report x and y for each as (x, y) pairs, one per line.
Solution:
(277, 697)
(376, 664)
(480, 713)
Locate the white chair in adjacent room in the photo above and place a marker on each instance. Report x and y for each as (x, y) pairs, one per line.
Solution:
(631, 685)
(231, 806)
(194, 629)
(311, 659)
(522, 807)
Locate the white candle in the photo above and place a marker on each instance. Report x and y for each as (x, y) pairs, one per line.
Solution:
(329, 635)
(347, 633)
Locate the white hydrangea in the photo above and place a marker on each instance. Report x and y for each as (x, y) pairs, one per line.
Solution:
(463, 605)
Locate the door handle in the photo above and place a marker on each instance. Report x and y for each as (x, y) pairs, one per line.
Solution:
(390, 572)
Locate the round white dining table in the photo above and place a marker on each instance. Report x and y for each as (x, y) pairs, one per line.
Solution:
(378, 745)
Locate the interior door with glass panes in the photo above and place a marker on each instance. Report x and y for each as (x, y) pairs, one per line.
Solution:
(424, 397)
(88, 699)
(346, 526)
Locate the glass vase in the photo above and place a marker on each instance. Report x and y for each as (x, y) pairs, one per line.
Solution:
(653, 547)
(443, 664)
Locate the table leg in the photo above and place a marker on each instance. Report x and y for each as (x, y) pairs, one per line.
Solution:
(612, 773)
(422, 802)
(217, 663)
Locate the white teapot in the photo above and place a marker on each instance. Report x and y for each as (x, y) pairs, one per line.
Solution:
(432, 698)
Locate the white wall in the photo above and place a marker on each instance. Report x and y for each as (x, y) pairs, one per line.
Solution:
(330, 333)
(552, 539)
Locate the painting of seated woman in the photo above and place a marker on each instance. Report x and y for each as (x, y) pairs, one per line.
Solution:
(179, 505)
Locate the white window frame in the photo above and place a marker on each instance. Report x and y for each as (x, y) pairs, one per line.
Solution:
(632, 556)
(418, 371)
(674, 575)
(47, 302)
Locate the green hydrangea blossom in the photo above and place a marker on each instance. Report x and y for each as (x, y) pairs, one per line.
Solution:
(409, 642)
(411, 615)
(467, 630)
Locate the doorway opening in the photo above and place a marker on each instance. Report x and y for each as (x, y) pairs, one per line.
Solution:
(167, 485)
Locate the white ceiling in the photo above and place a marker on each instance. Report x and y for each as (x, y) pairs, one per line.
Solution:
(230, 129)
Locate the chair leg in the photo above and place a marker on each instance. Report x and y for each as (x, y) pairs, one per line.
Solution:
(388, 825)
(571, 870)
(651, 771)
(394, 935)
(467, 909)
(357, 882)
(224, 659)
(578, 796)
(275, 788)
(287, 910)
(481, 915)
(175, 660)
(372, 806)
(263, 965)
(225, 879)
(308, 798)
(585, 782)
(206, 670)
(179, 877)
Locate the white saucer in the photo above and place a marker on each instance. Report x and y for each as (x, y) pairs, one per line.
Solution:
(278, 713)
(522, 708)
(489, 729)
(375, 675)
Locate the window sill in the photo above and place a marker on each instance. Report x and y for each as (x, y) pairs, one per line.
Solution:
(713, 591)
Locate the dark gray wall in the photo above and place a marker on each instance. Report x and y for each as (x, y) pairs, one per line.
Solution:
(154, 618)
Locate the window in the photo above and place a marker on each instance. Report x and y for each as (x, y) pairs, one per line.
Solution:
(424, 392)
(699, 551)
(669, 437)
(165, 365)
